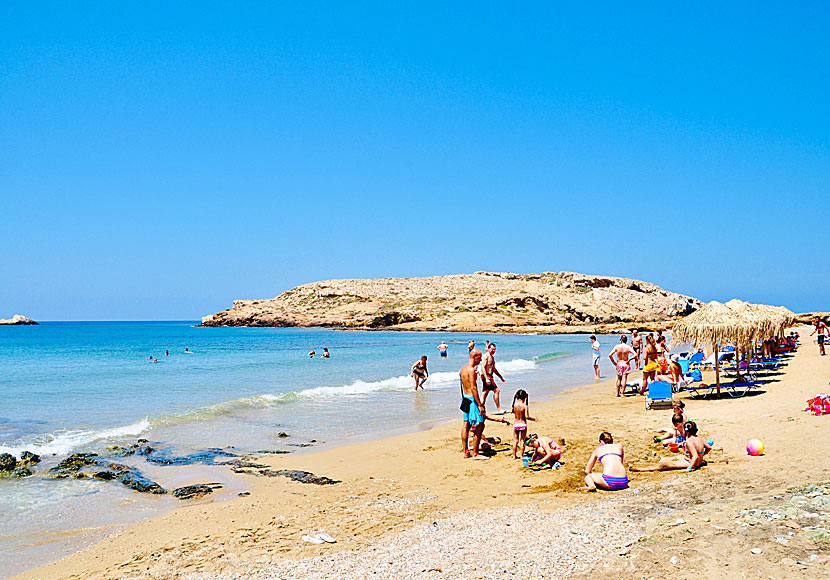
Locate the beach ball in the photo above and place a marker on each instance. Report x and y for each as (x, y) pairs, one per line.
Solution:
(755, 447)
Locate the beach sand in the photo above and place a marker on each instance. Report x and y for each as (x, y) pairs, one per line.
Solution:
(410, 506)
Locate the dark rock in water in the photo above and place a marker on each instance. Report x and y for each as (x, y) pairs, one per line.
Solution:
(300, 444)
(241, 464)
(270, 451)
(135, 480)
(72, 464)
(283, 435)
(7, 462)
(29, 458)
(244, 493)
(207, 457)
(195, 491)
(104, 475)
(301, 476)
(21, 472)
(134, 449)
(142, 441)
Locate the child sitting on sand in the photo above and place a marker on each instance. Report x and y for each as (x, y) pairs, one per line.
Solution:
(695, 448)
(544, 450)
(521, 414)
(675, 434)
(610, 456)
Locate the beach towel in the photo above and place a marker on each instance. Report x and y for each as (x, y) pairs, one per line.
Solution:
(819, 405)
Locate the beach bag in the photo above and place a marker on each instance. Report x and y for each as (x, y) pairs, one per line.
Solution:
(465, 402)
(819, 405)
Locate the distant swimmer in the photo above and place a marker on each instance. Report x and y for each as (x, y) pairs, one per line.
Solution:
(471, 345)
(420, 372)
(166, 353)
(187, 350)
(155, 360)
(311, 354)
(442, 348)
(326, 353)
(488, 383)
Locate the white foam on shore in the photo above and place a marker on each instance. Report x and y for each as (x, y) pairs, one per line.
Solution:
(64, 442)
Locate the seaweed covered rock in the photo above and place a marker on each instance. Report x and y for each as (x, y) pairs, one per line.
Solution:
(21, 472)
(7, 462)
(195, 491)
(28, 458)
(70, 466)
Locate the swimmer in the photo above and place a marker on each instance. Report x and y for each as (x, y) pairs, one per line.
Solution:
(610, 456)
(419, 372)
(442, 348)
(521, 415)
(544, 450)
(471, 345)
(311, 354)
(187, 350)
(695, 446)
(326, 353)
(166, 353)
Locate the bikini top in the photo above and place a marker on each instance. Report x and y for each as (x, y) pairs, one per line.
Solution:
(609, 453)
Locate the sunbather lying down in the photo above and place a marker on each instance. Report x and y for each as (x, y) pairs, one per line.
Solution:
(695, 448)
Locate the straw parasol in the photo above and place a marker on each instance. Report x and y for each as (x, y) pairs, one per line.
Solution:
(736, 321)
(714, 324)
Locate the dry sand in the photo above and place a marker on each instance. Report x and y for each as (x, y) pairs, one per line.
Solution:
(410, 507)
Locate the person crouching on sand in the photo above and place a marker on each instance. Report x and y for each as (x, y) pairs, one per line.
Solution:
(610, 456)
(544, 450)
(419, 372)
(521, 415)
(695, 448)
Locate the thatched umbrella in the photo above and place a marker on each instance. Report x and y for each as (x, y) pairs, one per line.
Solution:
(716, 323)
(771, 321)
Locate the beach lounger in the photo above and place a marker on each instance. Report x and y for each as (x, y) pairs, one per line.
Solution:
(702, 391)
(731, 389)
(696, 359)
(659, 395)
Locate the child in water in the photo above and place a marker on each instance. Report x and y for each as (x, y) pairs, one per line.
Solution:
(521, 414)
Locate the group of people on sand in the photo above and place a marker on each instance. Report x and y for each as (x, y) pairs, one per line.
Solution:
(656, 357)
(609, 454)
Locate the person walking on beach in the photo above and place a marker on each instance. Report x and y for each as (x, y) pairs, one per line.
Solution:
(637, 345)
(624, 353)
(821, 329)
(488, 383)
(442, 348)
(595, 354)
(610, 456)
(650, 365)
(420, 372)
(472, 408)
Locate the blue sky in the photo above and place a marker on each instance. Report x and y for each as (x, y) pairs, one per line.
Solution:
(159, 161)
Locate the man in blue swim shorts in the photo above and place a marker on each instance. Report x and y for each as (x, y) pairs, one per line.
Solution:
(471, 406)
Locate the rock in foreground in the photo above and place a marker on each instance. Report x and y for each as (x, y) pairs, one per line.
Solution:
(480, 302)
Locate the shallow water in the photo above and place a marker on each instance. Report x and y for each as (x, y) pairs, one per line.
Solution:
(79, 387)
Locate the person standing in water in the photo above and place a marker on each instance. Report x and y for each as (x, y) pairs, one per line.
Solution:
(326, 353)
(488, 383)
(471, 345)
(442, 348)
(624, 354)
(472, 408)
(596, 355)
(420, 372)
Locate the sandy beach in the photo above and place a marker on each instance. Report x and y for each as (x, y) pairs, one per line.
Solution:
(410, 506)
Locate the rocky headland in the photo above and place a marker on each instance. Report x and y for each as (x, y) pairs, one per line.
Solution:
(549, 302)
(17, 319)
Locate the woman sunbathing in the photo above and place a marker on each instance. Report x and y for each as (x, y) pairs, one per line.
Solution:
(695, 448)
(610, 456)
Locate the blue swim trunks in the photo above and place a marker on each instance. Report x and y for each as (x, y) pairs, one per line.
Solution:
(473, 417)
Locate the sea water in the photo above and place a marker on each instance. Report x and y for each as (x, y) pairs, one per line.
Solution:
(80, 387)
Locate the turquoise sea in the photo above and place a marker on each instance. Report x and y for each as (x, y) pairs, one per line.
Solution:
(71, 387)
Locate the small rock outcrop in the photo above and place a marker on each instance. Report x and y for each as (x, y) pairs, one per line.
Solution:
(18, 319)
(481, 302)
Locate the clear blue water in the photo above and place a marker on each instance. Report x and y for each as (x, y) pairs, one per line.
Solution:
(70, 387)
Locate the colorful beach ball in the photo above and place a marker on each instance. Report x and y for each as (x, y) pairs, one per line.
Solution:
(755, 447)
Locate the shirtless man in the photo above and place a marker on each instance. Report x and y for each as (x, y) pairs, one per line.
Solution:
(637, 345)
(488, 383)
(474, 415)
(624, 353)
(471, 345)
(821, 329)
(442, 348)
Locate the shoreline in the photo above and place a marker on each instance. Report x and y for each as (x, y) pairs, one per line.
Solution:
(394, 484)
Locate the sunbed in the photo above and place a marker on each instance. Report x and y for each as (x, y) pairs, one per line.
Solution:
(659, 395)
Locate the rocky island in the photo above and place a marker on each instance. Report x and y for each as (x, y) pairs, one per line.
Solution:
(549, 302)
(17, 319)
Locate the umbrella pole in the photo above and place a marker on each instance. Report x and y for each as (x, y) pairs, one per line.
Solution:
(717, 369)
